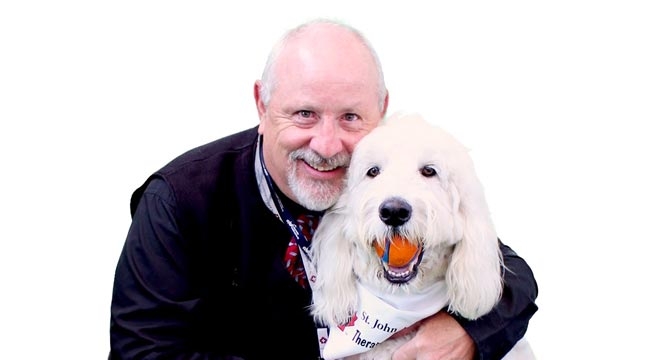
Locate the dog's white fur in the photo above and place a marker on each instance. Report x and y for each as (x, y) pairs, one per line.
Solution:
(450, 219)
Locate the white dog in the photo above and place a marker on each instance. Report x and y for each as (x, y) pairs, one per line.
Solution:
(410, 235)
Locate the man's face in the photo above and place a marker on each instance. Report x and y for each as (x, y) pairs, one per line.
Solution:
(321, 106)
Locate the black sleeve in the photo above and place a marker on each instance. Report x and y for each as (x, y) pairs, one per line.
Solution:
(498, 331)
(152, 299)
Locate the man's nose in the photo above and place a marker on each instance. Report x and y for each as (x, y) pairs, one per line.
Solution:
(327, 140)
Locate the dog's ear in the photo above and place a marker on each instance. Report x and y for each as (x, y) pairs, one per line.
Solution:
(334, 293)
(474, 274)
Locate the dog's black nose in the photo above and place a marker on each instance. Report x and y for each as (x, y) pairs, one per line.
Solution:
(394, 211)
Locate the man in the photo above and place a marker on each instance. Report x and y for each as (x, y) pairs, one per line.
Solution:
(203, 271)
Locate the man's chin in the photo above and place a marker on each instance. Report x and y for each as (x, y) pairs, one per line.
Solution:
(316, 204)
(316, 197)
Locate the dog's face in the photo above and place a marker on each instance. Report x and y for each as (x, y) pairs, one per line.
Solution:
(413, 213)
(401, 201)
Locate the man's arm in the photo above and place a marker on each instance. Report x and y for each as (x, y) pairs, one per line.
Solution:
(499, 330)
(152, 299)
(449, 336)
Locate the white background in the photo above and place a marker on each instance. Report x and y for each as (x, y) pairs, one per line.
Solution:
(552, 97)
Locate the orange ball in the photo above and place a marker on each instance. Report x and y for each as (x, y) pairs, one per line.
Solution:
(401, 251)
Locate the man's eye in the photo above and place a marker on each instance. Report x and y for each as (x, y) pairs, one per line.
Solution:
(373, 171)
(305, 113)
(428, 171)
(351, 117)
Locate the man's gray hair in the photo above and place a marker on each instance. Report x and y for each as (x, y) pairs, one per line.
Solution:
(268, 76)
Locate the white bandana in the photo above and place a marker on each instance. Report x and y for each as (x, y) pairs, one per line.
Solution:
(379, 317)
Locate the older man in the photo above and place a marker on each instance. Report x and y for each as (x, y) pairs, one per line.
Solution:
(209, 267)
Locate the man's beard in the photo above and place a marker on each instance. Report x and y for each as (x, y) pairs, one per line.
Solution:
(317, 195)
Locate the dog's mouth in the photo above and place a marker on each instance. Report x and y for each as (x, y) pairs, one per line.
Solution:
(400, 258)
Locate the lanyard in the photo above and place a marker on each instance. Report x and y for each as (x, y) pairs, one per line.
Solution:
(285, 216)
(301, 240)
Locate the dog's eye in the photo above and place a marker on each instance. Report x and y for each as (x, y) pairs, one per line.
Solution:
(373, 171)
(428, 171)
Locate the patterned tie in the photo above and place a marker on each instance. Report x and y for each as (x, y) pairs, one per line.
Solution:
(292, 260)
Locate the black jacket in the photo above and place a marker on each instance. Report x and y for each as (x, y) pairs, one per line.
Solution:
(201, 273)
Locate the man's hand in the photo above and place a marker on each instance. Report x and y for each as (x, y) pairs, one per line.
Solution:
(439, 337)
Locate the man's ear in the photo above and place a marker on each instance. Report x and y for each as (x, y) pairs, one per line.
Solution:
(383, 111)
(259, 104)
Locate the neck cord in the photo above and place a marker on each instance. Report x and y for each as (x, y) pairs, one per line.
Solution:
(322, 331)
(284, 214)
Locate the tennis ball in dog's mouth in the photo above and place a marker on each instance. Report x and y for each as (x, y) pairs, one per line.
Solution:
(400, 251)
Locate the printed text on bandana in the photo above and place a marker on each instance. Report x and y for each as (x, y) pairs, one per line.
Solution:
(376, 321)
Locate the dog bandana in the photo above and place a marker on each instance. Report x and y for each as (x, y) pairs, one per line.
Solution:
(379, 317)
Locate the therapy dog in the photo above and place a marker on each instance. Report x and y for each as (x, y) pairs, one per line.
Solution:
(411, 235)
